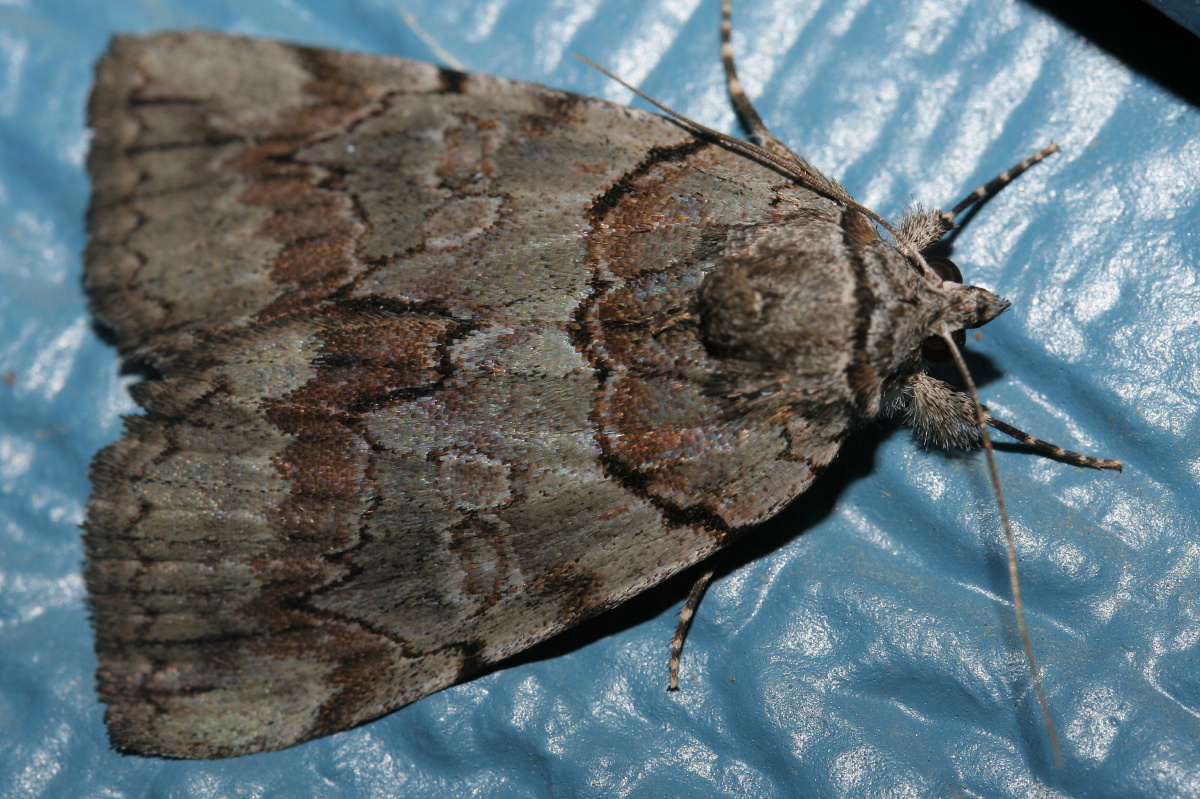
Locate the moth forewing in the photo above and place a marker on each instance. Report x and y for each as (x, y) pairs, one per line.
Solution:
(447, 363)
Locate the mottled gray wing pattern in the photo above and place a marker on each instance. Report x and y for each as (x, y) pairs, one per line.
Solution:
(431, 383)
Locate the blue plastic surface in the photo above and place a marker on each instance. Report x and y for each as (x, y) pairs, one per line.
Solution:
(863, 644)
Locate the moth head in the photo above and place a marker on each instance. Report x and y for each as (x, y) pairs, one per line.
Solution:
(921, 228)
(969, 307)
(939, 414)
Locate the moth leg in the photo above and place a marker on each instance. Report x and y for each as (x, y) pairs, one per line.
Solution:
(737, 93)
(685, 622)
(1003, 179)
(1053, 451)
(922, 227)
(745, 109)
(442, 54)
(938, 414)
(942, 416)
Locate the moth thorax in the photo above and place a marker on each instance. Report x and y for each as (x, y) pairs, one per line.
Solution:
(781, 313)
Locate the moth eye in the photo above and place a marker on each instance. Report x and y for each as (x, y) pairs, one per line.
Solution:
(945, 268)
(934, 349)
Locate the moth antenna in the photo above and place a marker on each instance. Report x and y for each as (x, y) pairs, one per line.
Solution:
(686, 613)
(795, 170)
(1054, 451)
(1003, 179)
(1010, 545)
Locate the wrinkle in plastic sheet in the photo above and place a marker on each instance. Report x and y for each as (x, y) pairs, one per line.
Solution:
(862, 645)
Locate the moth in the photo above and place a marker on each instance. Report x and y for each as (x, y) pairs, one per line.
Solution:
(444, 364)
